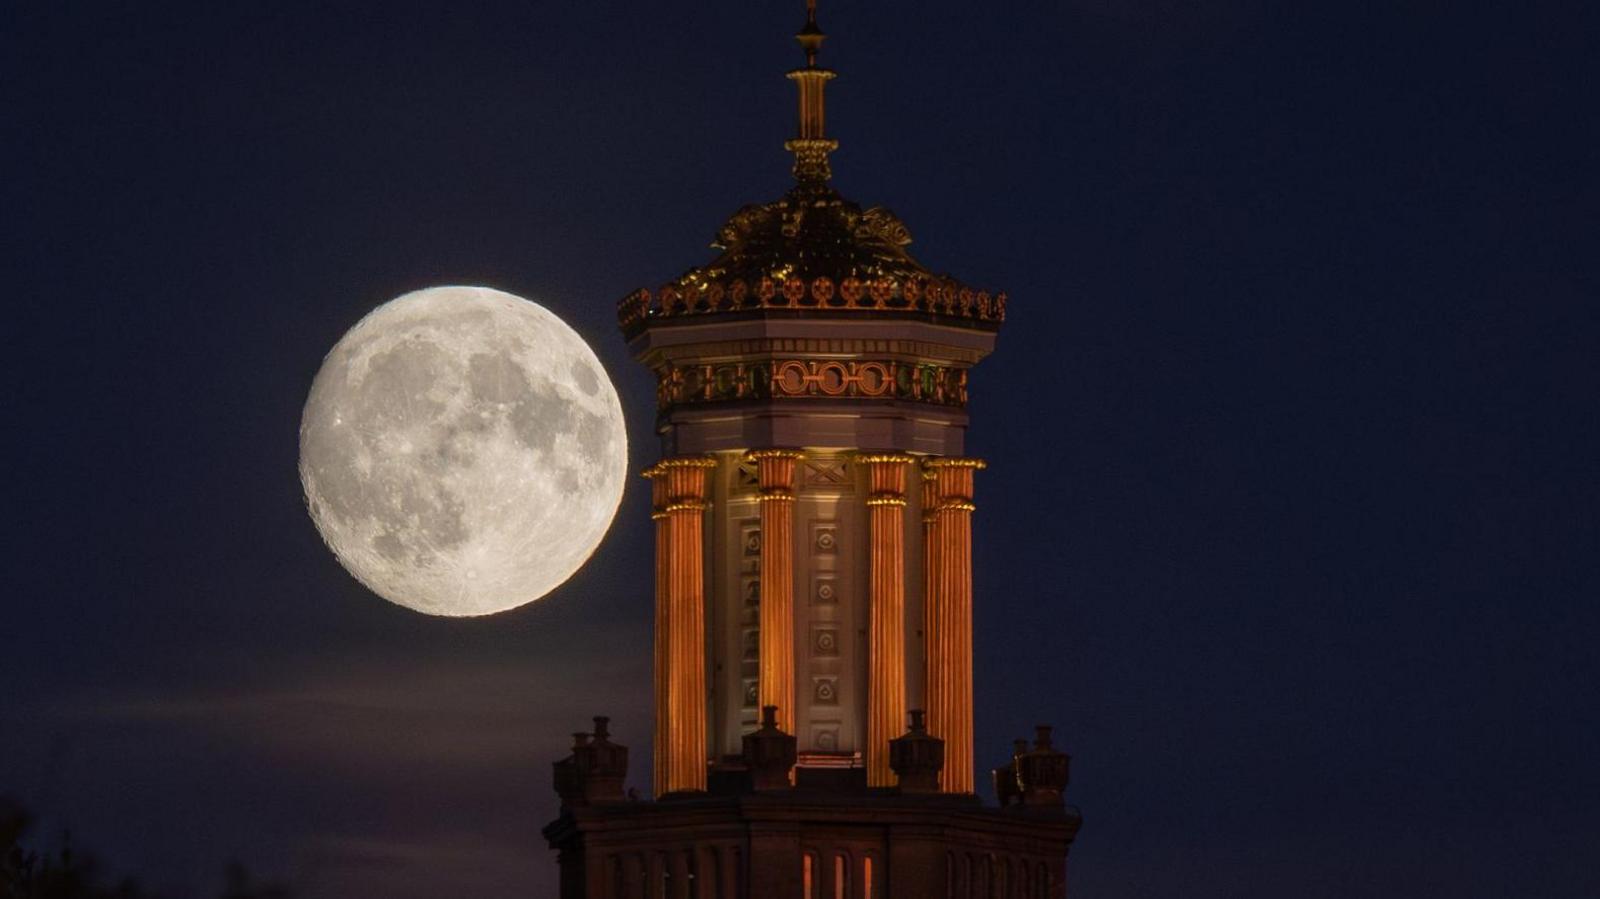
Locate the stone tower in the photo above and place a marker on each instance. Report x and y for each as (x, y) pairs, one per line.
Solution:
(813, 593)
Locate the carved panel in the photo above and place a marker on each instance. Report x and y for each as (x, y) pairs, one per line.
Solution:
(824, 538)
(825, 642)
(824, 591)
(825, 691)
(825, 738)
(745, 476)
(826, 472)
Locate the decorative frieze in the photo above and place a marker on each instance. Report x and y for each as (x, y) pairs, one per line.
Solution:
(789, 379)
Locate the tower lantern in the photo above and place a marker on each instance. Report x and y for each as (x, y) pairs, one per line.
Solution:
(813, 508)
(810, 146)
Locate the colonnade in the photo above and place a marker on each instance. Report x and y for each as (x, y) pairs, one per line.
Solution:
(680, 487)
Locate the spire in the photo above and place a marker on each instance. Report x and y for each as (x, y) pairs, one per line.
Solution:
(810, 146)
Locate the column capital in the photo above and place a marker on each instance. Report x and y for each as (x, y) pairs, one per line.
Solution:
(937, 462)
(875, 458)
(773, 452)
(665, 465)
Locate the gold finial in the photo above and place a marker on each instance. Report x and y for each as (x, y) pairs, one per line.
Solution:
(811, 37)
(811, 147)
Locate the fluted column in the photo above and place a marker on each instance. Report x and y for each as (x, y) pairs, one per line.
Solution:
(937, 688)
(682, 731)
(949, 536)
(775, 470)
(663, 646)
(886, 609)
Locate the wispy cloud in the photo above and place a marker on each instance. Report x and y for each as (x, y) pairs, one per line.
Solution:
(383, 777)
(464, 714)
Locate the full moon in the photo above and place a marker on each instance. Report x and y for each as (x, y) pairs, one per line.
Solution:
(462, 451)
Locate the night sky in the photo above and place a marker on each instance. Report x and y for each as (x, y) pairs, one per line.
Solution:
(1290, 525)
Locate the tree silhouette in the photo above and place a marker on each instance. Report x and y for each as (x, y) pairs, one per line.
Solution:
(26, 873)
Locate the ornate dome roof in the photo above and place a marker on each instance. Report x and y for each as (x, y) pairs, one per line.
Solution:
(812, 248)
(811, 232)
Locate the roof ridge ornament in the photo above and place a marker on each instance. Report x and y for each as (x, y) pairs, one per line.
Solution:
(810, 145)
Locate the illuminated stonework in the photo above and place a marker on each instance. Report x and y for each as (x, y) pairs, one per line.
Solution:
(814, 583)
(886, 648)
(821, 370)
(949, 613)
(680, 667)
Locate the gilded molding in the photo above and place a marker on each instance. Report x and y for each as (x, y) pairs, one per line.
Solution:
(886, 500)
(689, 506)
(886, 458)
(954, 462)
(663, 466)
(756, 455)
(930, 295)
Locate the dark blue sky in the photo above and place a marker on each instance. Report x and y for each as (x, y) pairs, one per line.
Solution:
(1290, 525)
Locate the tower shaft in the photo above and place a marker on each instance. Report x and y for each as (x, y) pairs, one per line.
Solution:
(814, 579)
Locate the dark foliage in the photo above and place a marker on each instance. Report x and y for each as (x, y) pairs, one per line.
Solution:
(27, 873)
